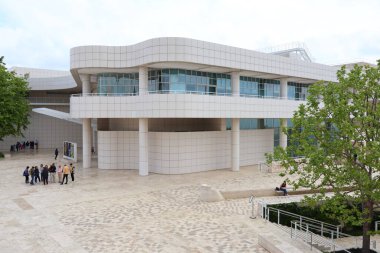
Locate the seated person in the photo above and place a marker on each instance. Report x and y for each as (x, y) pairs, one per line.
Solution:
(283, 188)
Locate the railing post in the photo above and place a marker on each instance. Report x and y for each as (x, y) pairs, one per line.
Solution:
(300, 222)
(307, 227)
(278, 216)
(337, 232)
(291, 229)
(311, 241)
(376, 224)
(251, 200)
(322, 229)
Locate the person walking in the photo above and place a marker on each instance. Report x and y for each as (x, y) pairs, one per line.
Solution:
(45, 174)
(56, 153)
(60, 171)
(26, 174)
(72, 172)
(66, 172)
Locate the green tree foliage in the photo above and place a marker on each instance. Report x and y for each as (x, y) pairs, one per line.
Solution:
(14, 106)
(337, 131)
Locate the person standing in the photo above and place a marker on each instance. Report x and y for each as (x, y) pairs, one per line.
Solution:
(66, 172)
(26, 174)
(31, 173)
(52, 171)
(72, 172)
(56, 153)
(45, 174)
(37, 174)
(60, 171)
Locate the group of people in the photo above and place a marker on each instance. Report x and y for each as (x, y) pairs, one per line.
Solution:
(32, 174)
(23, 145)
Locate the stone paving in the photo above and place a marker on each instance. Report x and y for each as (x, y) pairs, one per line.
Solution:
(119, 211)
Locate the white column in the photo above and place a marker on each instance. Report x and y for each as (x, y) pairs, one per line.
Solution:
(87, 135)
(143, 80)
(235, 124)
(93, 139)
(235, 144)
(235, 84)
(283, 137)
(283, 88)
(143, 147)
(85, 84)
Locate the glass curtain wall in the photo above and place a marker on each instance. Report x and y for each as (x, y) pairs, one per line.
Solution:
(188, 81)
(258, 87)
(250, 124)
(275, 124)
(298, 91)
(118, 83)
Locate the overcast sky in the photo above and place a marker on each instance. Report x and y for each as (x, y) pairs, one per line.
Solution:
(39, 33)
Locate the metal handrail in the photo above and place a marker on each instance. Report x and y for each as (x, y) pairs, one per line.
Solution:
(301, 219)
(323, 229)
(182, 92)
(305, 228)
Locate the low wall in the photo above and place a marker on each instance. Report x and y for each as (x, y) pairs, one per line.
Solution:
(182, 152)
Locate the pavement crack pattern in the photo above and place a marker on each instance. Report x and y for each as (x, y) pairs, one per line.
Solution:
(161, 221)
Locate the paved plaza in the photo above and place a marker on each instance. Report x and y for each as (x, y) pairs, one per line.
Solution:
(119, 211)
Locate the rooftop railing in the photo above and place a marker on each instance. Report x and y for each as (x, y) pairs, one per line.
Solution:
(182, 92)
(49, 100)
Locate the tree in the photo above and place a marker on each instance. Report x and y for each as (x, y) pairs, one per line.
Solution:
(337, 131)
(14, 106)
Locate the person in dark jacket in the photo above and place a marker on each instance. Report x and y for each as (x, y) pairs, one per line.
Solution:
(283, 188)
(26, 174)
(45, 174)
(36, 174)
(56, 153)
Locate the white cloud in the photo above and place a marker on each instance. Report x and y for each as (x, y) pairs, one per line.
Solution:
(40, 33)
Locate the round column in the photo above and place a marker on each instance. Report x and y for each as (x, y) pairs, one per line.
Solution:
(235, 144)
(235, 84)
(86, 89)
(143, 80)
(87, 136)
(284, 88)
(143, 147)
(235, 124)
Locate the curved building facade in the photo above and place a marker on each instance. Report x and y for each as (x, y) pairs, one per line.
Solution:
(177, 105)
(49, 98)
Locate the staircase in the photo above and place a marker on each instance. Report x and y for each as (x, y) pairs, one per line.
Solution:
(315, 241)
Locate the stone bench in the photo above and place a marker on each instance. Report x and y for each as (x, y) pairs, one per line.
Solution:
(210, 194)
(288, 189)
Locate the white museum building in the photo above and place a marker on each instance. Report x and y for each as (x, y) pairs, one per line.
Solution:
(172, 105)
